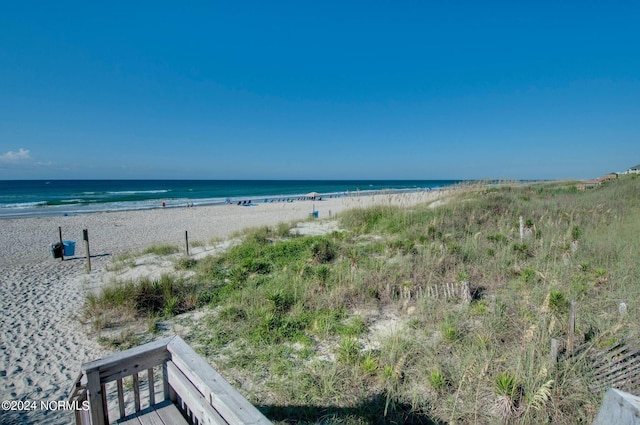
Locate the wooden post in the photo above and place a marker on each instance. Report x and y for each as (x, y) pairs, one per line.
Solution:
(96, 405)
(186, 240)
(60, 234)
(169, 393)
(572, 328)
(85, 237)
(521, 220)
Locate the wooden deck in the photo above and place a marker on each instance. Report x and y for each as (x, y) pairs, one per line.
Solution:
(192, 391)
(163, 413)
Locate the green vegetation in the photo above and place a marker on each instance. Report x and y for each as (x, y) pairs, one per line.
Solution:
(161, 249)
(302, 318)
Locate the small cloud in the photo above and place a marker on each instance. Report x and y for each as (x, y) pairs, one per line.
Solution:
(12, 156)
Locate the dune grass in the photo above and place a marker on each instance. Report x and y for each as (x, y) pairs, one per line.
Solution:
(299, 317)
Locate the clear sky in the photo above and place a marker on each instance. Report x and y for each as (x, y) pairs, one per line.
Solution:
(319, 90)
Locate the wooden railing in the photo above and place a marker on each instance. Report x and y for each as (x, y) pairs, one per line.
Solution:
(200, 393)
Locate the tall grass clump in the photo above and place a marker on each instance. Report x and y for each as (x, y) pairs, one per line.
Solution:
(161, 250)
(125, 301)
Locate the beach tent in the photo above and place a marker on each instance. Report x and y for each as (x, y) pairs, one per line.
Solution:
(313, 195)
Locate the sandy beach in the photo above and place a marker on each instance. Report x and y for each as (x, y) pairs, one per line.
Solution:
(42, 340)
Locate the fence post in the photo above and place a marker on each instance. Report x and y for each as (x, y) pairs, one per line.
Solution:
(60, 234)
(466, 292)
(85, 236)
(521, 229)
(572, 328)
(186, 240)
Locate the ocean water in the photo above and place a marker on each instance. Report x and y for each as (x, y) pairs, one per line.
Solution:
(28, 198)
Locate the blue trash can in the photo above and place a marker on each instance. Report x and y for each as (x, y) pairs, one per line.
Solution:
(69, 248)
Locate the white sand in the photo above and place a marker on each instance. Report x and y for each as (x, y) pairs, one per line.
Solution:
(42, 342)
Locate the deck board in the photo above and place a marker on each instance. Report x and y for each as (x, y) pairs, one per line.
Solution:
(163, 413)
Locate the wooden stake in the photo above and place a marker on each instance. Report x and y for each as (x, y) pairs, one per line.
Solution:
(60, 234)
(85, 237)
(572, 328)
(521, 229)
(186, 239)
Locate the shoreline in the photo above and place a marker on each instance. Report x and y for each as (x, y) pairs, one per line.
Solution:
(43, 341)
(169, 203)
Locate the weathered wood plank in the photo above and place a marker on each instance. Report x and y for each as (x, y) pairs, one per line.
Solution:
(197, 403)
(83, 417)
(152, 389)
(95, 398)
(622, 367)
(136, 392)
(169, 413)
(128, 367)
(129, 420)
(105, 406)
(125, 363)
(78, 385)
(629, 373)
(617, 366)
(624, 354)
(220, 394)
(120, 398)
(163, 413)
(608, 356)
(151, 417)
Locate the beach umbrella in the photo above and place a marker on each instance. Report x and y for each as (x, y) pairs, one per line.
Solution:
(312, 195)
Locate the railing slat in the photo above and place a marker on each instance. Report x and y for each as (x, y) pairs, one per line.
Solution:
(152, 390)
(136, 391)
(105, 406)
(121, 398)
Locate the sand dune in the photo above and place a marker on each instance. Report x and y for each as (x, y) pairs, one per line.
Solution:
(42, 340)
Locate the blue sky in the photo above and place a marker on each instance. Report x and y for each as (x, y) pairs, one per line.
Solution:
(319, 90)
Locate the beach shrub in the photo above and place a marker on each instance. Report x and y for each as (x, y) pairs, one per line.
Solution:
(349, 351)
(507, 403)
(437, 380)
(186, 263)
(161, 250)
(558, 303)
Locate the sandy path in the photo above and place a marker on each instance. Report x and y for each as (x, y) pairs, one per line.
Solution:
(42, 343)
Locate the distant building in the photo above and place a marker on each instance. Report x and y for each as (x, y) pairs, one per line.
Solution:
(634, 170)
(610, 176)
(590, 184)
